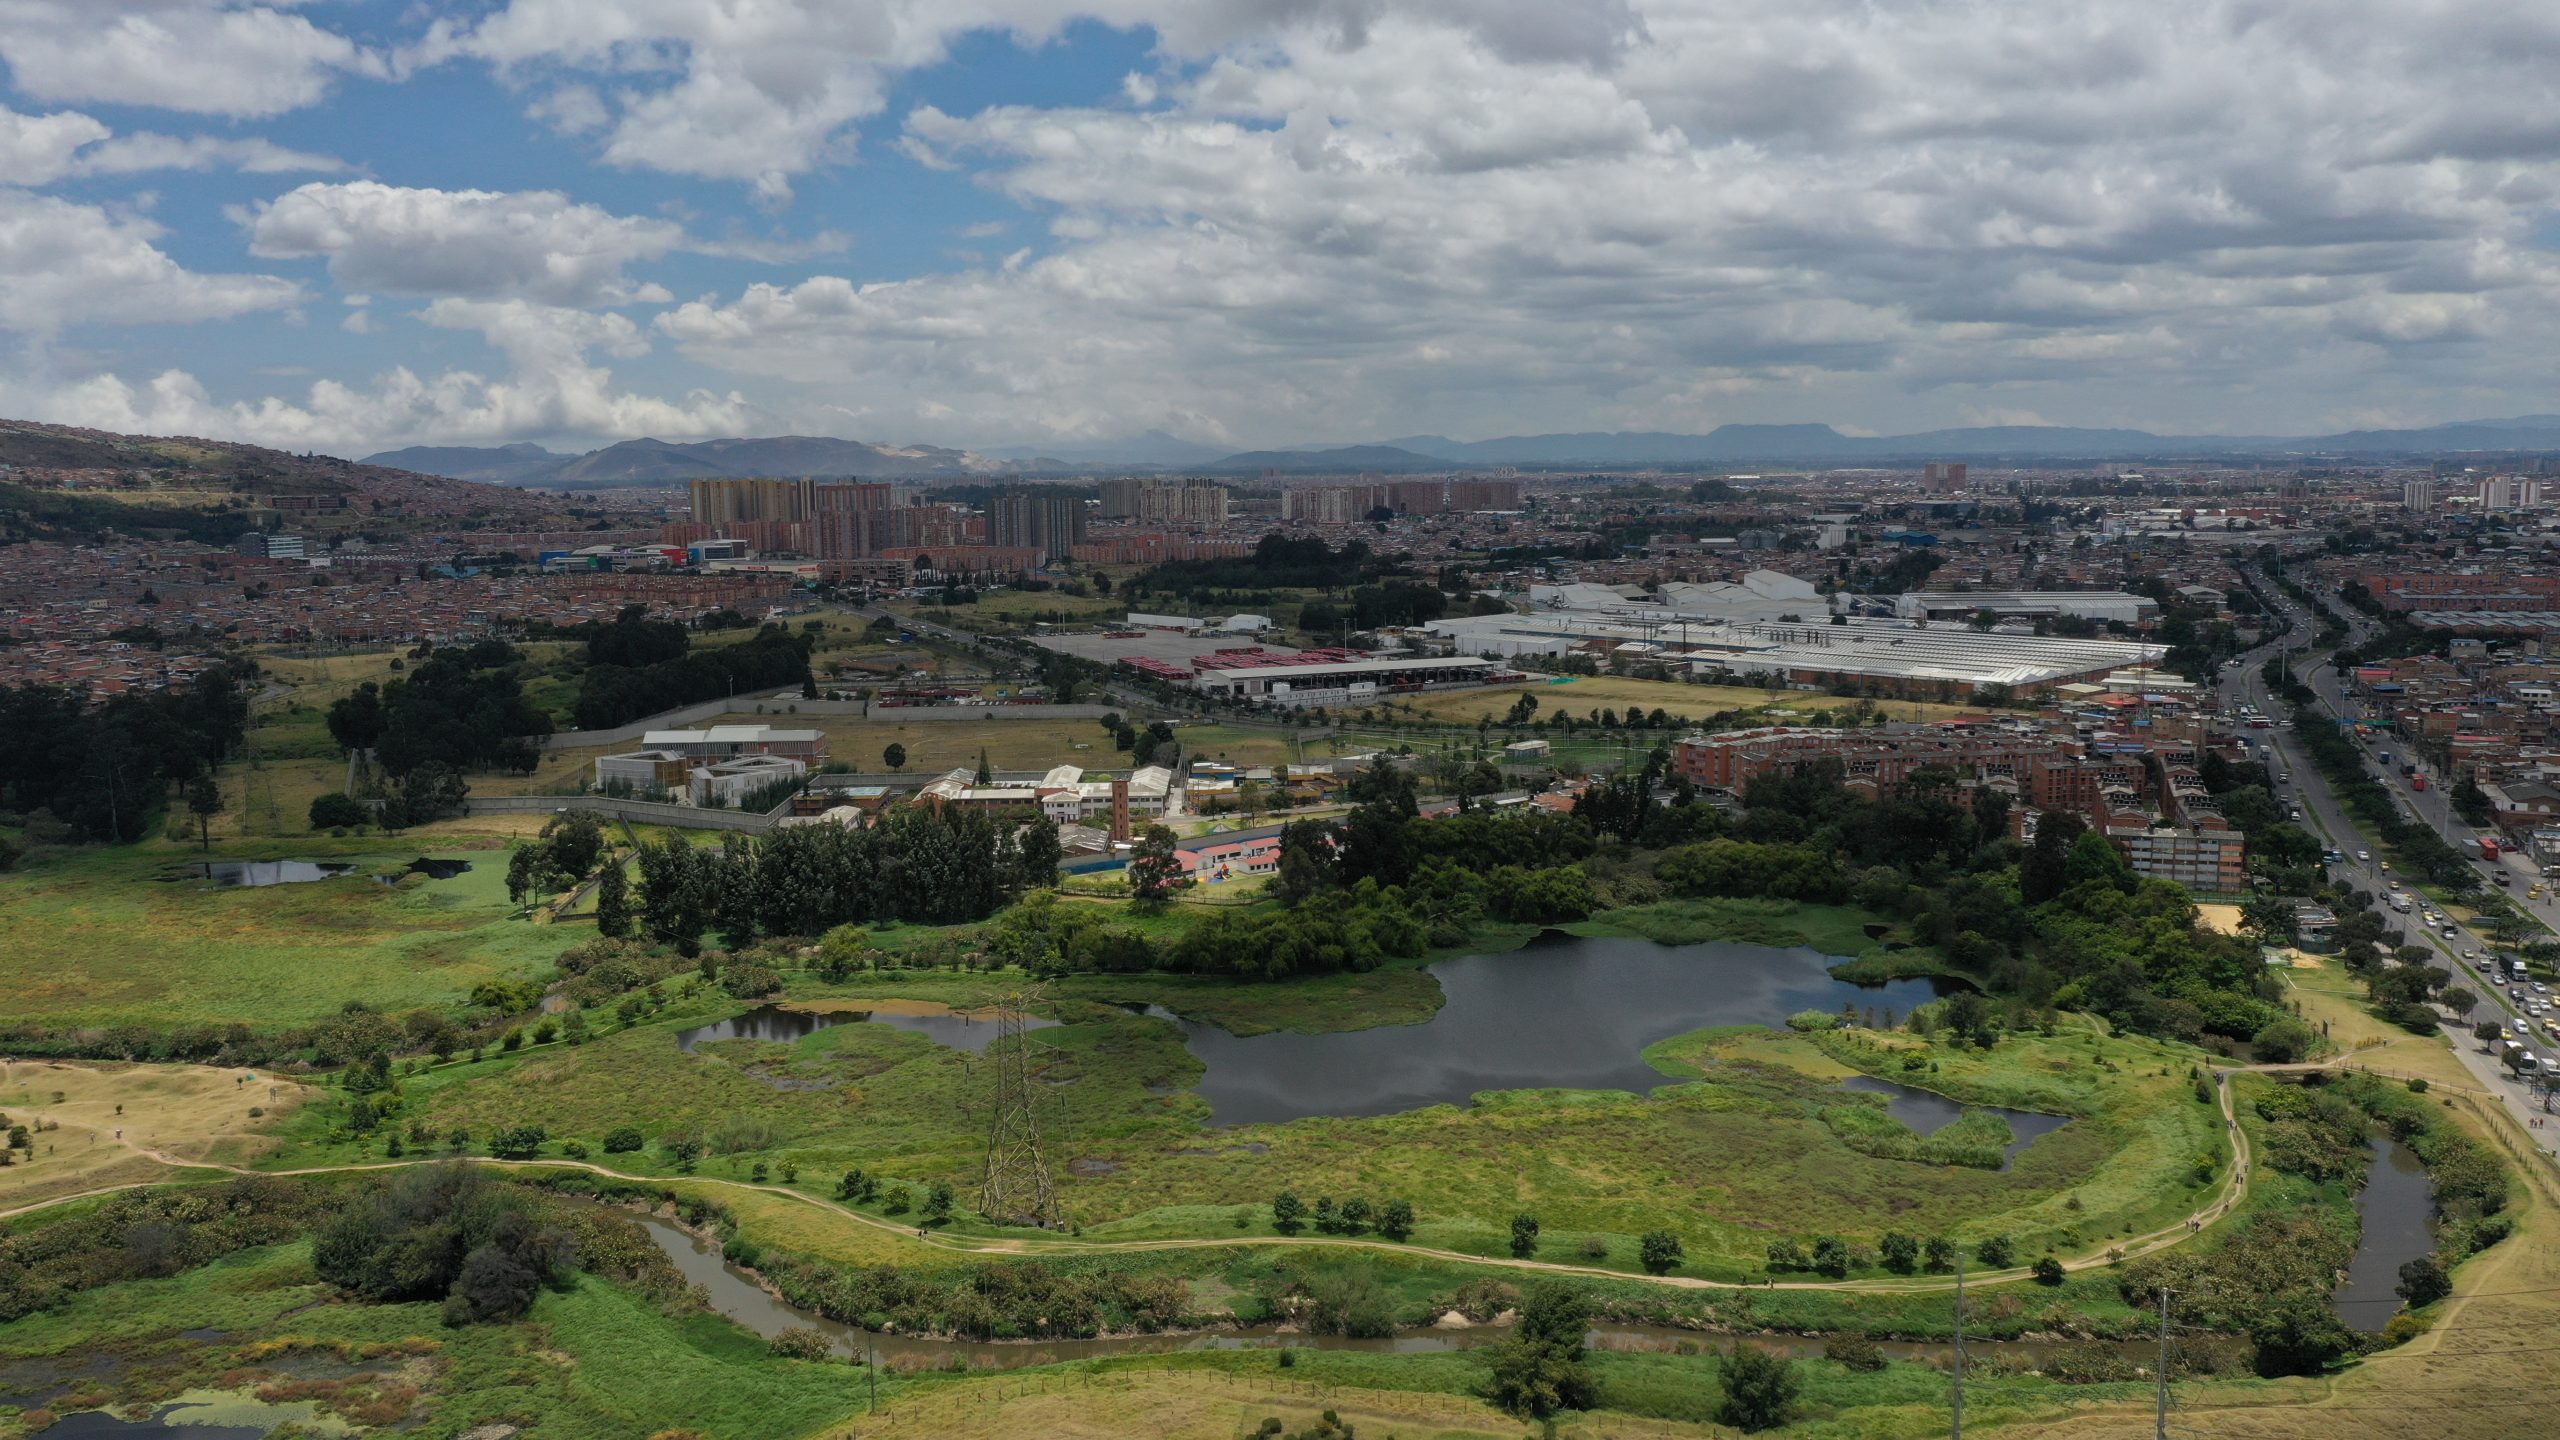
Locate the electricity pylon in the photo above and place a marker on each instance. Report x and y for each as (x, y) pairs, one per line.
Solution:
(1018, 1188)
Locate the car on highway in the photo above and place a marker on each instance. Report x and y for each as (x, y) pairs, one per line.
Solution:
(2363, 855)
(2452, 934)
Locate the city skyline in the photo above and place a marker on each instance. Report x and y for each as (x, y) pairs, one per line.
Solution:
(357, 227)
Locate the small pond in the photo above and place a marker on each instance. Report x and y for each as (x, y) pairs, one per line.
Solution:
(735, 1294)
(782, 1024)
(1562, 1012)
(195, 1415)
(1926, 1112)
(227, 874)
(2396, 1210)
(437, 869)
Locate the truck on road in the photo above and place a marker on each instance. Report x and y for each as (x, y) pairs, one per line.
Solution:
(2488, 847)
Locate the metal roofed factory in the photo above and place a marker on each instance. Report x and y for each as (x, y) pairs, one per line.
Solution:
(1894, 654)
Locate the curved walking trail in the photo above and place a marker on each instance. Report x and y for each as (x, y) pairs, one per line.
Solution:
(2234, 1186)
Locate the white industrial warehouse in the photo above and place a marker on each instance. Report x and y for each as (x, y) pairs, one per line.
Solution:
(1895, 656)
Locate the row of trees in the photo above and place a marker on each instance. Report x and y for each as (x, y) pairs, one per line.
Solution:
(613, 693)
(931, 866)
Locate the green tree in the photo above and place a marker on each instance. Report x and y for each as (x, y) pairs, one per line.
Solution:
(334, 810)
(986, 776)
(1939, 1253)
(1288, 1213)
(2423, 1282)
(521, 1142)
(2048, 1270)
(1524, 1235)
(1661, 1252)
(1758, 1386)
(2281, 1042)
(1830, 1256)
(1996, 1251)
(2269, 918)
(842, 951)
(613, 902)
(1154, 870)
(623, 1140)
(937, 1205)
(204, 801)
(2297, 1334)
(895, 756)
(1395, 1220)
(1539, 1369)
(1899, 1252)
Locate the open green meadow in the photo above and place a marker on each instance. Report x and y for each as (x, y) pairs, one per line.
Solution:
(103, 937)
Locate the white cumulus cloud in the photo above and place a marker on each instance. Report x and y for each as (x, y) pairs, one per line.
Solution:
(63, 263)
(209, 57)
(481, 244)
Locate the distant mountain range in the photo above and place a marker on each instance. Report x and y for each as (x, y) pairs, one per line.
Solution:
(657, 462)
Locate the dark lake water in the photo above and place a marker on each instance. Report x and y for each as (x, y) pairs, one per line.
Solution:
(1562, 1012)
(228, 873)
(2396, 1210)
(1926, 1112)
(782, 1025)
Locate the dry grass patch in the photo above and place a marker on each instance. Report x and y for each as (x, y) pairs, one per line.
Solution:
(115, 1122)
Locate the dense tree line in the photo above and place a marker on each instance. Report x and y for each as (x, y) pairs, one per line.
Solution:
(2419, 847)
(637, 666)
(462, 708)
(930, 866)
(1278, 561)
(105, 770)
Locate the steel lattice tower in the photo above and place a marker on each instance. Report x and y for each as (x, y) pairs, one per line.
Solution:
(1018, 1189)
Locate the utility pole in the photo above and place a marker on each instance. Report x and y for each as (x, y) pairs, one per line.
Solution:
(2160, 1410)
(1958, 1433)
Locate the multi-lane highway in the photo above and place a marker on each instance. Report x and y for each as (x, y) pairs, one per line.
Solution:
(2363, 865)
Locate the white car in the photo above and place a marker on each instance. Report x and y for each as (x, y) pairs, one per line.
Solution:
(2364, 855)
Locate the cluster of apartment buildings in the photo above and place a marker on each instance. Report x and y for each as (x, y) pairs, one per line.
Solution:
(86, 594)
(2130, 771)
(1437, 495)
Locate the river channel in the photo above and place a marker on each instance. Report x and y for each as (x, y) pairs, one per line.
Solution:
(2396, 1214)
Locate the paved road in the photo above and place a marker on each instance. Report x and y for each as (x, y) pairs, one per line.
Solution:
(2323, 813)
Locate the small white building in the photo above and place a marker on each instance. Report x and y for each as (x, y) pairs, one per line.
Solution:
(729, 781)
(645, 771)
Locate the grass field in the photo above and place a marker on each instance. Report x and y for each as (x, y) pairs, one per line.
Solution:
(1580, 695)
(128, 936)
(936, 746)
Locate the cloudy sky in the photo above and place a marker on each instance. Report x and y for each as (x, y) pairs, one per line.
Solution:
(353, 224)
